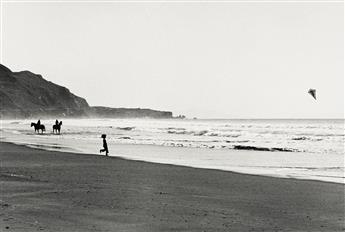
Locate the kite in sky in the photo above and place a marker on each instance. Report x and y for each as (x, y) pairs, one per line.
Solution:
(312, 92)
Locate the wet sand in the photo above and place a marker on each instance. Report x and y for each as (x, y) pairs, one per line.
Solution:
(53, 191)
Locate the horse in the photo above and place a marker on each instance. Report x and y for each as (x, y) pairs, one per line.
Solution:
(57, 127)
(38, 127)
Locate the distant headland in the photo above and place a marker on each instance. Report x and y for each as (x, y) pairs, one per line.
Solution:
(27, 95)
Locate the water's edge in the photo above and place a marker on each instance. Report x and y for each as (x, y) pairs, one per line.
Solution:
(149, 147)
(302, 149)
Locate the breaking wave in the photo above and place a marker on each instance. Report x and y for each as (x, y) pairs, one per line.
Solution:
(184, 132)
(125, 128)
(308, 136)
(301, 138)
(254, 148)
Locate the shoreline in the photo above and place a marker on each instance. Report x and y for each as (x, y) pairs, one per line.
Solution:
(57, 191)
(208, 145)
(41, 147)
(37, 147)
(200, 158)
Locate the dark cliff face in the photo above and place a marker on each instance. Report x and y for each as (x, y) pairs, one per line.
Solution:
(25, 94)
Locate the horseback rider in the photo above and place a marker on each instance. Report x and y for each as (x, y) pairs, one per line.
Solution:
(38, 126)
(57, 126)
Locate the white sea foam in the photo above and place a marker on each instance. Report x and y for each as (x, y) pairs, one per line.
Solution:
(317, 150)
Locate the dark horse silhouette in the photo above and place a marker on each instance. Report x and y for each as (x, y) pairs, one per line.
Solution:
(38, 127)
(57, 127)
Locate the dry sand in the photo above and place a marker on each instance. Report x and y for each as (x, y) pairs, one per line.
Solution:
(52, 191)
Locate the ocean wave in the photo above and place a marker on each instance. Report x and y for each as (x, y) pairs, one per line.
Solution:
(181, 131)
(254, 148)
(301, 138)
(235, 147)
(321, 135)
(306, 138)
(330, 135)
(184, 132)
(47, 146)
(213, 134)
(200, 133)
(177, 132)
(175, 144)
(126, 128)
(232, 136)
(125, 137)
(237, 141)
(223, 135)
(174, 128)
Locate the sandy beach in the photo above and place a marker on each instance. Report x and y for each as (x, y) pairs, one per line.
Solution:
(54, 191)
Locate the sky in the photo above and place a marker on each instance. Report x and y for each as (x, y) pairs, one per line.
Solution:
(205, 60)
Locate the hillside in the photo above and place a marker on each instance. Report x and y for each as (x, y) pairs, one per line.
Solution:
(26, 95)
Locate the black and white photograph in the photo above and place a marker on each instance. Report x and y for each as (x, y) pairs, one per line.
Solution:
(172, 115)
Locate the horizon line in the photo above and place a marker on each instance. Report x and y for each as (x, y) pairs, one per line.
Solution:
(268, 118)
(170, 1)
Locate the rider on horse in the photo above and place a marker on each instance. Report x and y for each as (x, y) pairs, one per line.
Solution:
(38, 126)
(57, 126)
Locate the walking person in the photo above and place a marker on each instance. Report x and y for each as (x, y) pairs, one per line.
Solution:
(105, 145)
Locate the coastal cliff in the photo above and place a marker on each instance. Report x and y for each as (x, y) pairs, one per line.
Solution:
(26, 95)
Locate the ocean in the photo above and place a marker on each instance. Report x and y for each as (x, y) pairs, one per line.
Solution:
(289, 148)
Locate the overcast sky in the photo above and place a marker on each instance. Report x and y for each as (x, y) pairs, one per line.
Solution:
(207, 60)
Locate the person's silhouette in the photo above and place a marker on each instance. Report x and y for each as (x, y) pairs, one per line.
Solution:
(39, 122)
(105, 145)
(56, 122)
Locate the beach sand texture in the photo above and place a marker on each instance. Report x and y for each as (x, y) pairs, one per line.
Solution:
(53, 191)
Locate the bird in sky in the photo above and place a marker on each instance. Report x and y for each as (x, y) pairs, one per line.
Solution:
(312, 92)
